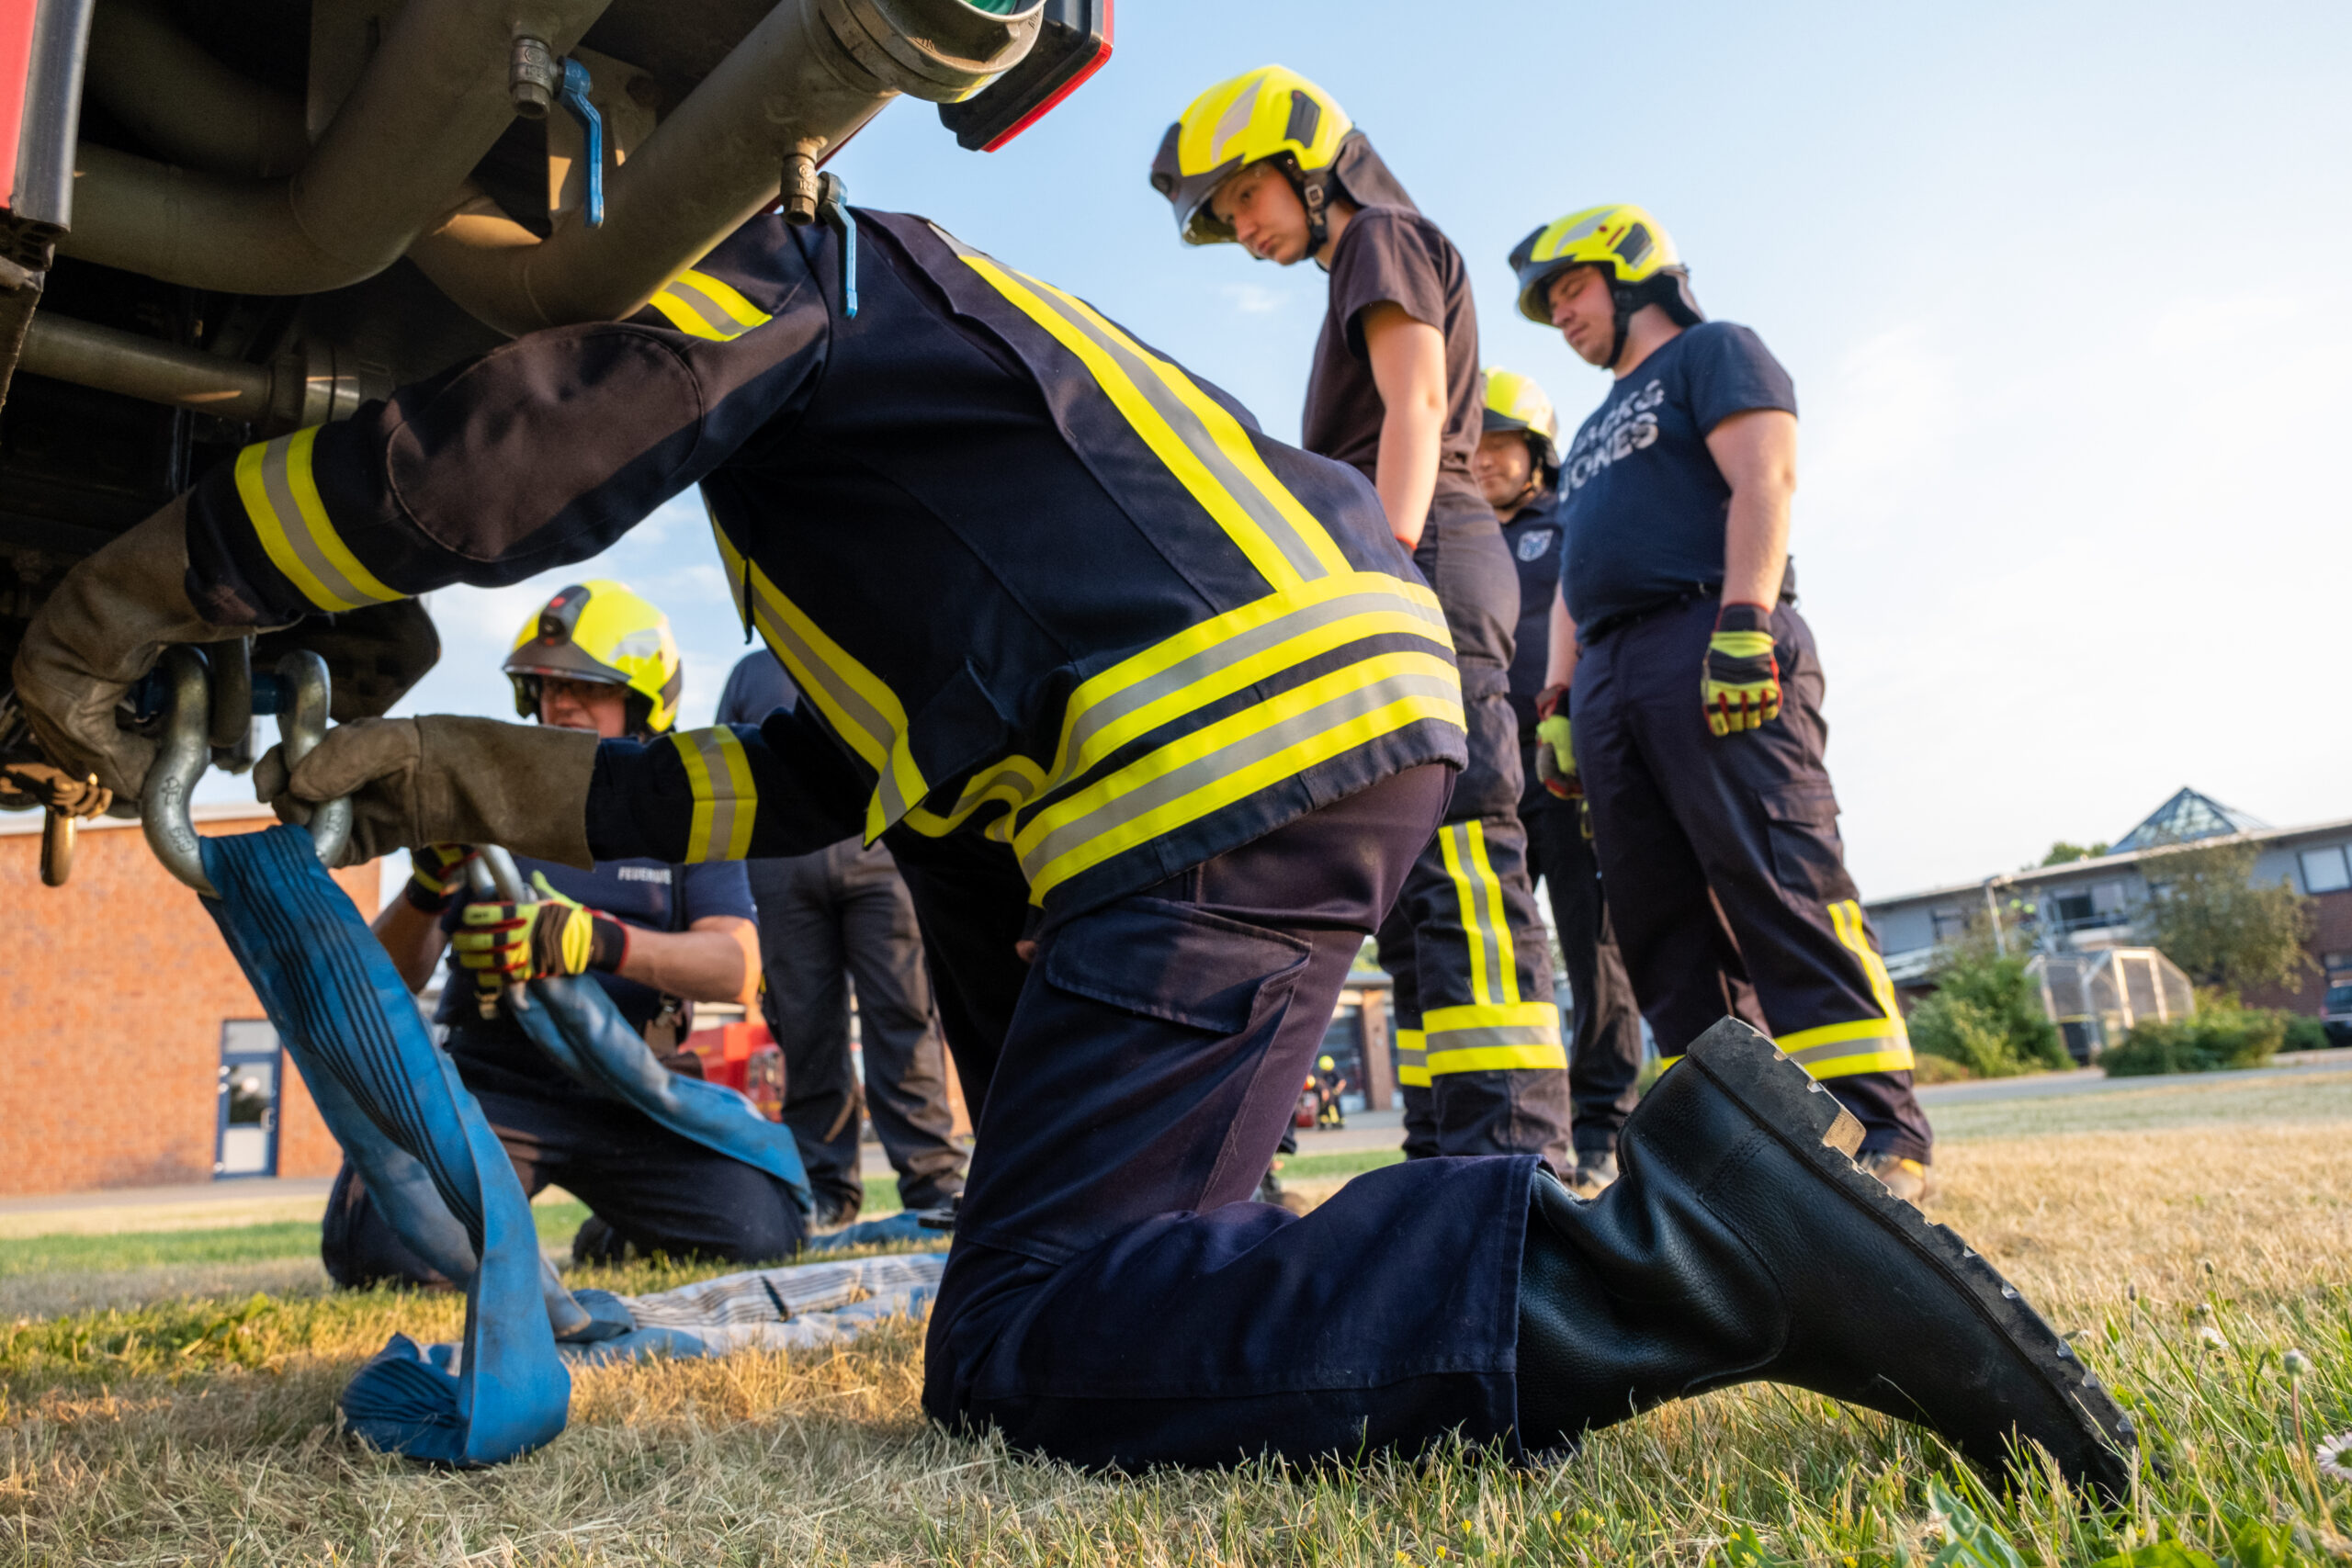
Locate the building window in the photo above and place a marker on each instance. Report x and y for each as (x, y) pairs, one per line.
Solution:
(2324, 870)
(1950, 925)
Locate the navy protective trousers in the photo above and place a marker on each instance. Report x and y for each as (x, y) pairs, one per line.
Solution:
(1725, 869)
(1477, 1034)
(1113, 1296)
(1605, 1057)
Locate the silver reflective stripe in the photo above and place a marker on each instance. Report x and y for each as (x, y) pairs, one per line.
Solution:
(1197, 441)
(1483, 1035)
(296, 525)
(724, 805)
(1207, 770)
(1223, 656)
(1811, 1056)
(1480, 928)
(703, 305)
(854, 707)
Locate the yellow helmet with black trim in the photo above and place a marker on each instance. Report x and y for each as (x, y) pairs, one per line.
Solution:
(1637, 255)
(600, 631)
(1515, 403)
(1271, 112)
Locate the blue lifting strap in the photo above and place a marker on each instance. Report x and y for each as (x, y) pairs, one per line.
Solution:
(348, 1021)
(577, 1026)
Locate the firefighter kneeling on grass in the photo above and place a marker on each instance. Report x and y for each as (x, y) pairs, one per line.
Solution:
(1692, 709)
(656, 936)
(1155, 719)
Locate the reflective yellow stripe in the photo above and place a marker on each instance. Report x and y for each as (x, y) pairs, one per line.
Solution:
(1477, 1038)
(1499, 1058)
(282, 497)
(1202, 665)
(1846, 919)
(862, 711)
(1202, 444)
(1412, 1059)
(1843, 1061)
(726, 800)
(1197, 774)
(1450, 843)
(701, 306)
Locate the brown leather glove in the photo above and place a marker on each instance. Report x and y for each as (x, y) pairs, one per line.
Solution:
(104, 627)
(441, 779)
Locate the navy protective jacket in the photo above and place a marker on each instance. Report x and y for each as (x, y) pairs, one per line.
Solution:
(1034, 579)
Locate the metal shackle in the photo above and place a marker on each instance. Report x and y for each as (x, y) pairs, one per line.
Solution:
(185, 750)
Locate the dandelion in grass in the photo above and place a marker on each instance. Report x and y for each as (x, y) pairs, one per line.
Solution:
(2211, 1338)
(2331, 1454)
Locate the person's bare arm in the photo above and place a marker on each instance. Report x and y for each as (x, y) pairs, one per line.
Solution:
(716, 959)
(1756, 452)
(1560, 662)
(415, 939)
(1408, 369)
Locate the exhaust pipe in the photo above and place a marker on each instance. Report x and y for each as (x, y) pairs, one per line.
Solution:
(798, 85)
(310, 385)
(428, 106)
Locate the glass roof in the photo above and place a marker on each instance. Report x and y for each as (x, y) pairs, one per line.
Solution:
(2186, 816)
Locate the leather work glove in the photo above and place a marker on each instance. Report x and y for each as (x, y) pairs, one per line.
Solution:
(1555, 756)
(1740, 687)
(506, 944)
(443, 780)
(434, 873)
(105, 627)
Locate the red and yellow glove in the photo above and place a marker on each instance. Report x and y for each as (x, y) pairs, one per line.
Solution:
(1740, 686)
(1555, 753)
(506, 944)
(434, 873)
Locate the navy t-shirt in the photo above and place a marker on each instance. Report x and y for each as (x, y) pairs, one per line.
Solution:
(755, 688)
(1641, 497)
(634, 892)
(1533, 540)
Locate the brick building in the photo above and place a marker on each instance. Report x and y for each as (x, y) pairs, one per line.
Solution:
(136, 1053)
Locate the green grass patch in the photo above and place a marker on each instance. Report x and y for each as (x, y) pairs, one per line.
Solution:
(1301, 1168)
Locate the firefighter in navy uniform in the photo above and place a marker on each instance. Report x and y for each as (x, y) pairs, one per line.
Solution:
(1694, 719)
(602, 660)
(1517, 468)
(1270, 161)
(1155, 719)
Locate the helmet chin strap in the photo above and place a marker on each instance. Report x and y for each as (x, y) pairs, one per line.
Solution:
(1626, 300)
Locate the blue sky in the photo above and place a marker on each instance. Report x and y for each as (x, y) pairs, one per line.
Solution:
(2065, 291)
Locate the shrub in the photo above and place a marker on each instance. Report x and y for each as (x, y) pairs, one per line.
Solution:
(2214, 1039)
(1986, 1016)
(2304, 1034)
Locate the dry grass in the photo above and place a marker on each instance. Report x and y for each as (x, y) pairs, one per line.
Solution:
(202, 1433)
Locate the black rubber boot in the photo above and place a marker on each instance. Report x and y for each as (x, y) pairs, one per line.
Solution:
(1740, 1242)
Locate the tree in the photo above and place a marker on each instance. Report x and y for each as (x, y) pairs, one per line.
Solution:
(2064, 853)
(2208, 916)
(1985, 1015)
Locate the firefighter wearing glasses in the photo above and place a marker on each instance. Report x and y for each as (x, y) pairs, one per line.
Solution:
(595, 659)
(1155, 719)
(1695, 720)
(1270, 161)
(1518, 468)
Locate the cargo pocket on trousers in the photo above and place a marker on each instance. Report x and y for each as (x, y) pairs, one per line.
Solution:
(1808, 857)
(1159, 959)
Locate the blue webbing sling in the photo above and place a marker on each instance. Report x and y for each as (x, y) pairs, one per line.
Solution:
(348, 1021)
(428, 1156)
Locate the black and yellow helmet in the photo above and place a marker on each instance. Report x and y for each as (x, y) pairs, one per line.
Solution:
(600, 632)
(1515, 403)
(1639, 257)
(1270, 113)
